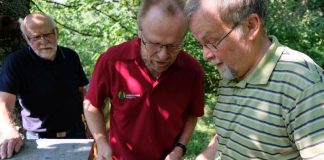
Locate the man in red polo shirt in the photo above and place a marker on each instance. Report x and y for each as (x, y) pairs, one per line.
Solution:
(154, 88)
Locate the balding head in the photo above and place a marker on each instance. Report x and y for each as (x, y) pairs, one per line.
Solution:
(168, 7)
(35, 20)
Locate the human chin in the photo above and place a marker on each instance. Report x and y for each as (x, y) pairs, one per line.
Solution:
(226, 72)
(161, 68)
(46, 52)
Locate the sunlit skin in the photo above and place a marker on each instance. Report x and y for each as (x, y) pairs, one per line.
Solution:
(162, 30)
(233, 54)
(39, 25)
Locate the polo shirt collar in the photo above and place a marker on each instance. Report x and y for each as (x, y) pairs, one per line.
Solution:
(262, 72)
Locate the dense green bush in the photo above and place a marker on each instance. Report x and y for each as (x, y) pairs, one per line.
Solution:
(299, 25)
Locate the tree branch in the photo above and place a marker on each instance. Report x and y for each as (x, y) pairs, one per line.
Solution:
(61, 4)
(111, 17)
(68, 27)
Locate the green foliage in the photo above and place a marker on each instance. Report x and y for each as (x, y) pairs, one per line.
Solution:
(92, 26)
(299, 25)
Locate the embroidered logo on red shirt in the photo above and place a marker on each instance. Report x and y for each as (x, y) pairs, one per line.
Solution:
(123, 95)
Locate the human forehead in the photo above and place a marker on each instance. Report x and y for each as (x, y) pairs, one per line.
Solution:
(157, 15)
(205, 25)
(157, 26)
(38, 24)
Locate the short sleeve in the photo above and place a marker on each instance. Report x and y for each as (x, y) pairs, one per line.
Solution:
(305, 125)
(9, 77)
(83, 78)
(197, 96)
(99, 87)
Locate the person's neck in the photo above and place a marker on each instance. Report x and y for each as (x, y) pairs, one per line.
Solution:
(154, 74)
(260, 49)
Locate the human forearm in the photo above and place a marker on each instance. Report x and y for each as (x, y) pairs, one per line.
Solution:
(10, 140)
(7, 103)
(96, 124)
(210, 151)
(6, 119)
(188, 129)
(95, 121)
(186, 133)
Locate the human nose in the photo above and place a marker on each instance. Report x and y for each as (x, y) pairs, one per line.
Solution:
(45, 37)
(207, 54)
(163, 53)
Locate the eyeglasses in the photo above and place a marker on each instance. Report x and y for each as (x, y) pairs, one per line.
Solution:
(156, 47)
(213, 46)
(45, 36)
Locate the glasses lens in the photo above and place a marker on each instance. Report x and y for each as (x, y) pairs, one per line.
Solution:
(211, 47)
(152, 47)
(46, 36)
(174, 48)
(156, 47)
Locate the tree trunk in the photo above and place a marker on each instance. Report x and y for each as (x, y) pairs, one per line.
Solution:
(10, 36)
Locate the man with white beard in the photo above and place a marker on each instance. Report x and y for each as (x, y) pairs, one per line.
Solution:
(270, 101)
(48, 80)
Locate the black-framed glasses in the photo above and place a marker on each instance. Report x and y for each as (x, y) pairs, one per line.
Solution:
(156, 47)
(45, 36)
(213, 46)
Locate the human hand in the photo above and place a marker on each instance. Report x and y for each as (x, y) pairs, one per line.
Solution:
(201, 157)
(175, 154)
(10, 143)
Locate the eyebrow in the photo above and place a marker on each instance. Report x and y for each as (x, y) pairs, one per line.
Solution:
(206, 35)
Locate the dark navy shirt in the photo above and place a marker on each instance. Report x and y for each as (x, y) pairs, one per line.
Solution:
(48, 91)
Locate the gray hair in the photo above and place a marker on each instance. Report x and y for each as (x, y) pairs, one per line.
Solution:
(169, 7)
(233, 11)
(23, 21)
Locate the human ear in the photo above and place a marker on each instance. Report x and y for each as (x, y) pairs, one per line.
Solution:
(139, 33)
(253, 24)
(56, 31)
(26, 38)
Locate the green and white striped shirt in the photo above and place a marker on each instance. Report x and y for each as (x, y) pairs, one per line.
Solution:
(277, 112)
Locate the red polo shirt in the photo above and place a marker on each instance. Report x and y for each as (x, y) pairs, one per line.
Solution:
(147, 115)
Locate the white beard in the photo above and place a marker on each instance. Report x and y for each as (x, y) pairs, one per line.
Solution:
(46, 54)
(225, 71)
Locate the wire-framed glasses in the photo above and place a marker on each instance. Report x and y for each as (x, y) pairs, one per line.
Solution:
(45, 36)
(156, 47)
(214, 45)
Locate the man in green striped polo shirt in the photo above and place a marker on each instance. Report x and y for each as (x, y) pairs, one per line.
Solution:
(270, 101)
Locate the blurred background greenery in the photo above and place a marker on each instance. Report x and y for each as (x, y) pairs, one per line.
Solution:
(92, 26)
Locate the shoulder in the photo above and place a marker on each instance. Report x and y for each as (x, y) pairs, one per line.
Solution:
(21, 52)
(296, 75)
(123, 51)
(188, 61)
(300, 66)
(19, 55)
(67, 51)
